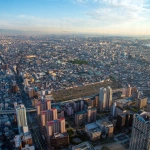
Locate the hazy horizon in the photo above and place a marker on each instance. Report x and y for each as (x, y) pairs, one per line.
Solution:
(113, 17)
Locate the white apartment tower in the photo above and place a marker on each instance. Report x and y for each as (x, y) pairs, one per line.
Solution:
(102, 99)
(21, 117)
(105, 98)
(109, 97)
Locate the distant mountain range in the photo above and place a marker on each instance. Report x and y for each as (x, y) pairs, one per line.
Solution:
(17, 32)
(10, 32)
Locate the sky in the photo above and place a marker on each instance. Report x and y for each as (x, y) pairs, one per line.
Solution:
(119, 17)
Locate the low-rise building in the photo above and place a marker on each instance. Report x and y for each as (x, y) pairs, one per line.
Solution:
(95, 130)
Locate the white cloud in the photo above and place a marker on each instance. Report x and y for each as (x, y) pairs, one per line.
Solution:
(120, 11)
(106, 16)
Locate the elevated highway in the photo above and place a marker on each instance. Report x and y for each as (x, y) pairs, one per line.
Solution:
(5, 112)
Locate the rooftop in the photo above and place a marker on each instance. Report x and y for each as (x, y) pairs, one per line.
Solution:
(81, 112)
(104, 122)
(57, 107)
(122, 101)
(83, 146)
(91, 126)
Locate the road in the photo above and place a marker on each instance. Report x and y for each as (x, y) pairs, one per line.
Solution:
(37, 137)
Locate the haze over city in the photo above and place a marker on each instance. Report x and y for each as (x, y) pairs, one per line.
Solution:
(119, 17)
(74, 74)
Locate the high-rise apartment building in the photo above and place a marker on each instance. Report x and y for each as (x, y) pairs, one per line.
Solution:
(80, 117)
(60, 111)
(68, 108)
(79, 105)
(121, 121)
(133, 89)
(42, 106)
(51, 114)
(43, 118)
(109, 97)
(21, 117)
(140, 137)
(55, 126)
(91, 114)
(93, 102)
(48, 104)
(48, 115)
(84, 116)
(128, 91)
(102, 98)
(105, 98)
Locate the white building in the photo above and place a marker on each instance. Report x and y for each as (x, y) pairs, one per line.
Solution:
(102, 98)
(21, 117)
(140, 137)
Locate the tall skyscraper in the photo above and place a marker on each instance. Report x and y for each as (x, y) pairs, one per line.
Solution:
(102, 99)
(109, 97)
(105, 98)
(140, 137)
(21, 117)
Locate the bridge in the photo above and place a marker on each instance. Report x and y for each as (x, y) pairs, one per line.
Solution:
(5, 112)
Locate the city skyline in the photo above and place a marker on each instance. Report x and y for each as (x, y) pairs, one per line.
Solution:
(128, 17)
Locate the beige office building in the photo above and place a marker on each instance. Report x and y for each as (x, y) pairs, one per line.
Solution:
(141, 102)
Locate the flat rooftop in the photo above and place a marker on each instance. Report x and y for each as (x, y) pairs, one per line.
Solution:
(122, 101)
(57, 107)
(83, 146)
(91, 126)
(114, 146)
(104, 122)
(81, 112)
(95, 130)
